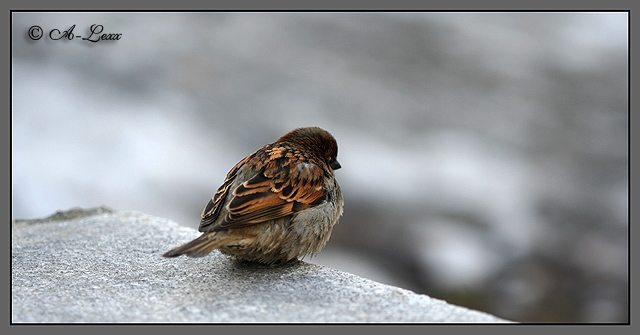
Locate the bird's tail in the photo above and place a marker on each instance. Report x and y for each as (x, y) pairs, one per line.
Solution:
(199, 247)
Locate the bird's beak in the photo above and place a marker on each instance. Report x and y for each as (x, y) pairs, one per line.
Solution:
(335, 165)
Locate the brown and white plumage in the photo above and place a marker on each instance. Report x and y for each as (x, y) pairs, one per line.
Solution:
(278, 204)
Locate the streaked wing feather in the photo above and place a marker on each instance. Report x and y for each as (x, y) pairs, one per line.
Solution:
(213, 208)
(287, 184)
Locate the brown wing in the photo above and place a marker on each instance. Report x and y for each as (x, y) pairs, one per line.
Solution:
(212, 210)
(286, 184)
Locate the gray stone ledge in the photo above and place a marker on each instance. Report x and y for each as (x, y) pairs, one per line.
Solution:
(102, 266)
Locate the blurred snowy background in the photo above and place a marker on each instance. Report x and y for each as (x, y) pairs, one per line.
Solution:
(485, 155)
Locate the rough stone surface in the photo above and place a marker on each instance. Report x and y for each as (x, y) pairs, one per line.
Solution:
(103, 266)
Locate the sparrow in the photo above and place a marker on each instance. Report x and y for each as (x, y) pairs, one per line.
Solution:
(276, 205)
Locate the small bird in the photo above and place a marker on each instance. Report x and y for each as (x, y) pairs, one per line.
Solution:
(276, 205)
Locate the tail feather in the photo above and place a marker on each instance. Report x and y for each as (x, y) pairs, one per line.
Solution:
(199, 247)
